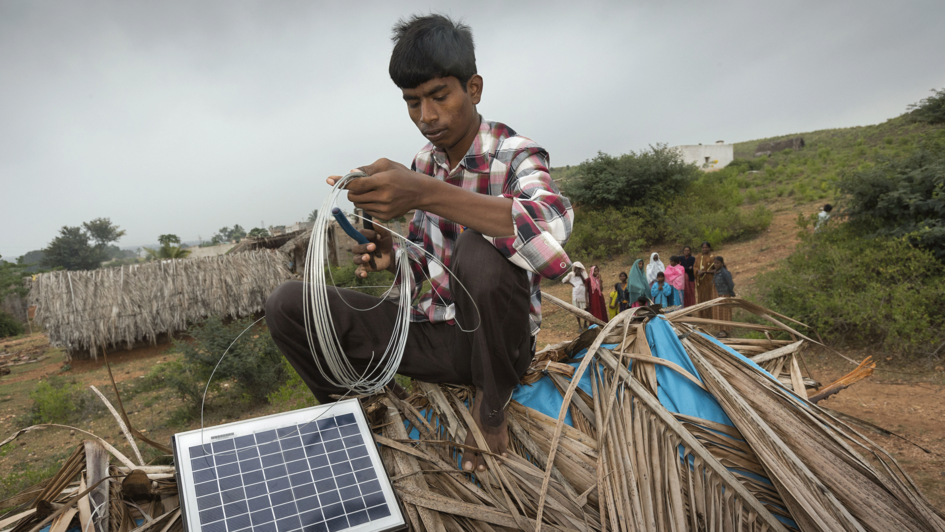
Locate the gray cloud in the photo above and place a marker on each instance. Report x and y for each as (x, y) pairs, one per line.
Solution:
(182, 117)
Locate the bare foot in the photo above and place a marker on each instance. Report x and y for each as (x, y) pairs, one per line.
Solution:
(497, 438)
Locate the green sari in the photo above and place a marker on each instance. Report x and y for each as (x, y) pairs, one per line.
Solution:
(636, 282)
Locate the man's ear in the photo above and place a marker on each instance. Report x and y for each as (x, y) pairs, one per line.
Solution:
(474, 88)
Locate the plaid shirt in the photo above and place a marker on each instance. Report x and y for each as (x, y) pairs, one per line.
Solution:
(499, 163)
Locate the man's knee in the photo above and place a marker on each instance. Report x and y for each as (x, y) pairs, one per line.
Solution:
(282, 306)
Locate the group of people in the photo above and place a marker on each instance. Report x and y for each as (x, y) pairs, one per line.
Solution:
(687, 280)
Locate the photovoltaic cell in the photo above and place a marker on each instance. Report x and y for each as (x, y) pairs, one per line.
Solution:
(301, 476)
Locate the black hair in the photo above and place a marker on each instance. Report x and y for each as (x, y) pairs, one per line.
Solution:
(828, 207)
(643, 300)
(687, 247)
(674, 258)
(720, 259)
(622, 273)
(660, 274)
(429, 47)
(707, 244)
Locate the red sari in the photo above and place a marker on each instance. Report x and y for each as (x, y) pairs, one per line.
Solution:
(689, 293)
(596, 304)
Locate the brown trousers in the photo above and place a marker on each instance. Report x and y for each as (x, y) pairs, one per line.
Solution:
(492, 357)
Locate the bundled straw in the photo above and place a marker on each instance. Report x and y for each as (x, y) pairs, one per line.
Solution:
(88, 310)
(627, 463)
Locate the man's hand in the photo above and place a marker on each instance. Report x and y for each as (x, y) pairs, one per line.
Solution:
(389, 190)
(374, 256)
(497, 439)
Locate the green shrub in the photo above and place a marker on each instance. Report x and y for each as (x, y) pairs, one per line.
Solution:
(253, 362)
(930, 110)
(710, 211)
(56, 400)
(9, 325)
(375, 284)
(902, 198)
(294, 394)
(635, 179)
(603, 233)
(862, 291)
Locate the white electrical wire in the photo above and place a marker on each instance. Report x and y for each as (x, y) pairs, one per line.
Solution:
(319, 325)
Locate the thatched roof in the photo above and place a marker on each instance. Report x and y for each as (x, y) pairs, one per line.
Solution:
(627, 463)
(85, 311)
(268, 242)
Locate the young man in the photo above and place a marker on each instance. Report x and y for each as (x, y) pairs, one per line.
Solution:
(486, 207)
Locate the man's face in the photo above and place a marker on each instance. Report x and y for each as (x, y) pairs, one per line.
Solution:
(444, 112)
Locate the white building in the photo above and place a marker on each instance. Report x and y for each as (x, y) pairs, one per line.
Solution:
(709, 157)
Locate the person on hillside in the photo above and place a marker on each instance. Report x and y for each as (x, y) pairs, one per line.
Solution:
(576, 278)
(474, 174)
(822, 217)
(637, 285)
(687, 261)
(705, 271)
(725, 287)
(654, 267)
(661, 292)
(613, 304)
(623, 292)
(596, 304)
(676, 277)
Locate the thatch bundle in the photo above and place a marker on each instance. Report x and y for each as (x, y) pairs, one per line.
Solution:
(89, 310)
(627, 463)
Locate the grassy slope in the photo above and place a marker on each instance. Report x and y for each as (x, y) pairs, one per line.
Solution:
(811, 173)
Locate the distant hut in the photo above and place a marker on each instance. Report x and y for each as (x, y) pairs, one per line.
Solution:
(86, 311)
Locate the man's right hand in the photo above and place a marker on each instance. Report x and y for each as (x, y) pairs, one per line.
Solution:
(380, 248)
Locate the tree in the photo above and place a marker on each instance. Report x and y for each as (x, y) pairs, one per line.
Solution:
(165, 240)
(226, 234)
(167, 250)
(237, 233)
(258, 232)
(102, 231)
(72, 250)
(11, 279)
(313, 215)
(82, 248)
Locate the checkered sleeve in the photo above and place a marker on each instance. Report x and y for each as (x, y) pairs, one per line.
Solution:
(541, 215)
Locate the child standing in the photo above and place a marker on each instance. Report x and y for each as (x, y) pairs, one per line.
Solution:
(661, 291)
(576, 278)
(676, 277)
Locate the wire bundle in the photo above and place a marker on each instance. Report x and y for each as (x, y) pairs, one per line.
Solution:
(319, 326)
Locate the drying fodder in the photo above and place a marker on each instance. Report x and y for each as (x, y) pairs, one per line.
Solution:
(628, 463)
(89, 311)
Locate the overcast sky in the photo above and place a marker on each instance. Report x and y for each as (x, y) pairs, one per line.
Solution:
(182, 117)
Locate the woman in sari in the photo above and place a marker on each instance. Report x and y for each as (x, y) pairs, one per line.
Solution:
(654, 268)
(725, 287)
(636, 284)
(596, 304)
(687, 261)
(705, 288)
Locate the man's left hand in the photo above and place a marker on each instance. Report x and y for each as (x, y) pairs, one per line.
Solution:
(390, 189)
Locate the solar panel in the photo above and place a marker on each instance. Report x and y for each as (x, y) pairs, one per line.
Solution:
(310, 470)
